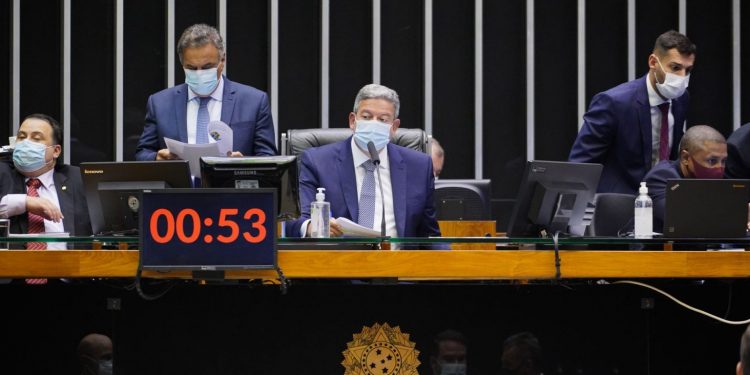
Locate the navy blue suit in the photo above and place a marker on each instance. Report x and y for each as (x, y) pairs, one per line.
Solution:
(616, 132)
(738, 154)
(332, 167)
(244, 108)
(656, 181)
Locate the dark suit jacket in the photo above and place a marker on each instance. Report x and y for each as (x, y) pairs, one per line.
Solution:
(332, 167)
(738, 150)
(656, 181)
(244, 108)
(70, 193)
(616, 132)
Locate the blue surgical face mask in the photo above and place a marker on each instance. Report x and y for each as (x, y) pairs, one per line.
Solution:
(29, 156)
(373, 131)
(105, 367)
(456, 368)
(203, 82)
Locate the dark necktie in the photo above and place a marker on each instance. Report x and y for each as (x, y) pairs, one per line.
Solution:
(664, 132)
(36, 224)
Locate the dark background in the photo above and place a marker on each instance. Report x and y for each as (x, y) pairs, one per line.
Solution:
(402, 68)
(583, 329)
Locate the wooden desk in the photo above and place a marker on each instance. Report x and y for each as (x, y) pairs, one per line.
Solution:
(429, 265)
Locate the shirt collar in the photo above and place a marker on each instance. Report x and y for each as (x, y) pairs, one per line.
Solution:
(653, 98)
(217, 95)
(45, 178)
(361, 156)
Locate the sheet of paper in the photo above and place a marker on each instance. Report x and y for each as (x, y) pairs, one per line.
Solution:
(192, 153)
(223, 135)
(39, 235)
(352, 229)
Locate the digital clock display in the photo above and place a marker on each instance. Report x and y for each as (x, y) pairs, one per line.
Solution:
(208, 229)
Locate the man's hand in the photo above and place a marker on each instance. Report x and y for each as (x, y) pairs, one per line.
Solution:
(164, 154)
(235, 154)
(43, 208)
(335, 228)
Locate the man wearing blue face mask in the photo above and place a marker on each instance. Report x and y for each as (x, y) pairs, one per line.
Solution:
(183, 112)
(633, 126)
(41, 194)
(345, 170)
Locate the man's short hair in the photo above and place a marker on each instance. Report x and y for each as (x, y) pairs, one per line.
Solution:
(695, 136)
(376, 91)
(449, 335)
(199, 35)
(526, 348)
(436, 148)
(57, 132)
(745, 351)
(673, 39)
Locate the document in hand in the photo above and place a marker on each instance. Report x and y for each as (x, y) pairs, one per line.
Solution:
(192, 153)
(352, 229)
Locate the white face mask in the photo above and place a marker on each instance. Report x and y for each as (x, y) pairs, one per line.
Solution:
(673, 86)
(458, 368)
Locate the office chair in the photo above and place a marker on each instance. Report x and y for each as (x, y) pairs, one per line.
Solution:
(294, 141)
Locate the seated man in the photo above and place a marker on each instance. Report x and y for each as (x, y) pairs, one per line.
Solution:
(743, 366)
(450, 353)
(344, 169)
(183, 112)
(438, 157)
(41, 194)
(703, 153)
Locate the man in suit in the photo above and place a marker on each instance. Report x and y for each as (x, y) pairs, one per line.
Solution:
(183, 112)
(743, 365)
(345, 171)
(41, 194)
(703, 154)
(738, 148)
(631, 127)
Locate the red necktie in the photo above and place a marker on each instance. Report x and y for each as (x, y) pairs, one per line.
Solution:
(36, 224)
(664, 132)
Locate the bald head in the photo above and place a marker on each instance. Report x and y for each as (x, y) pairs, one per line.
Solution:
(703, 153)
(743, 366)
(438, 156)
(696, 137)
(95, 346)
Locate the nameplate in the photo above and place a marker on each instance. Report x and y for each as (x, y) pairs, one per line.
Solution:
(208, 229)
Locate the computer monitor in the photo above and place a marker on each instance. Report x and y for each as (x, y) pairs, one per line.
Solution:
(553, 197)
(462, 199)
(278, 172)
(113, 190)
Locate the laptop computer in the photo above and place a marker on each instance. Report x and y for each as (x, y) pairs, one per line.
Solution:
(704, 208)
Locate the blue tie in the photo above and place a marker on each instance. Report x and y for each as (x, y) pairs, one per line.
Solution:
(367, 196)
(201, 132)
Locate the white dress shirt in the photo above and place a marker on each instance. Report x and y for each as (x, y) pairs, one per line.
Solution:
(15, 204)
(214, 110)
(654, 100)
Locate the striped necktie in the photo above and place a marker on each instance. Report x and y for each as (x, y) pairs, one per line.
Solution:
(36, 225)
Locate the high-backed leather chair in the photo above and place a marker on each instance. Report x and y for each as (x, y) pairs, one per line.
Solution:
(613, 214)
(297, 140)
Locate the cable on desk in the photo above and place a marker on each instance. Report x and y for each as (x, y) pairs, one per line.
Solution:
(555, 238)
(683, 304)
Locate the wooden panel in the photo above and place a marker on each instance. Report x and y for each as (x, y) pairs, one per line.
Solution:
(465, 228)
(468, 265)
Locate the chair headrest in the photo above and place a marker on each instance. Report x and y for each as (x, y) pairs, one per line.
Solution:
(301, 139)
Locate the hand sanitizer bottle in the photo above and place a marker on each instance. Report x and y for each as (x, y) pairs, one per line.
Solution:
(320, 214)
(644, 226)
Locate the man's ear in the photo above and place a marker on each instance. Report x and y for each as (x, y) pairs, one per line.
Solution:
(740, 368)
(56, 151)
(684, 156)
(352, 121)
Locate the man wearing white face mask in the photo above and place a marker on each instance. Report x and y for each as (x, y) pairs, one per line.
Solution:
(42, 195)
(631, 127)
(345, 170)
(183, 112)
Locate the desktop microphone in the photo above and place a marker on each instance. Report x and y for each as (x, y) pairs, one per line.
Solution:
(376, 160)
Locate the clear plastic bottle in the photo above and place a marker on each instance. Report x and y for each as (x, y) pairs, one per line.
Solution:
(320, 214)
(644, 215)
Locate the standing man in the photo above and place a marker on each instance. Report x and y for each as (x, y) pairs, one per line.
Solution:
(631, 127)
(183, 112)
(438, 157)
(42, 195)
(345, 170)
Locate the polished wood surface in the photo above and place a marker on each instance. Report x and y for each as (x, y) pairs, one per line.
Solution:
(466, 228)
(468, 264)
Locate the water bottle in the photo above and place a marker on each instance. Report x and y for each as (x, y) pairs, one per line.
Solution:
(644, 217)
(320, 214)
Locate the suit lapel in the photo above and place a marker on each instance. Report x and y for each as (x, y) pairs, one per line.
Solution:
(398, 187)
(679, 121)
(227, 102)
(23, 220)
(64, 197)
(180, 108)
(643, 108)
(347, 178)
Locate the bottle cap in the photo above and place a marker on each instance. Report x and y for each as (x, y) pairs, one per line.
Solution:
(321, 196)
(643, 189)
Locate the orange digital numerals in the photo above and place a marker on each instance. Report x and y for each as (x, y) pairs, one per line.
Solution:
(176, 226)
